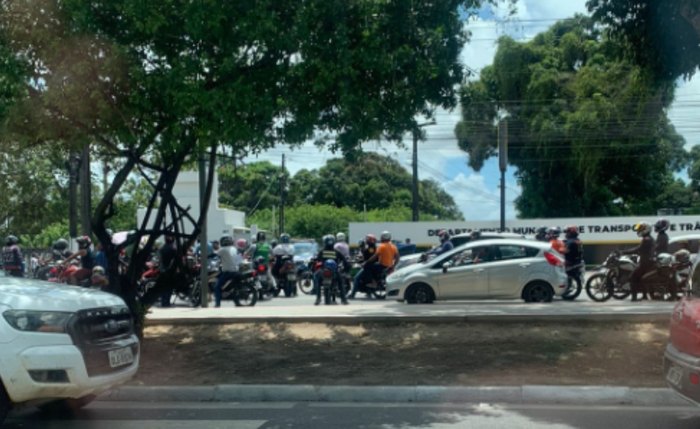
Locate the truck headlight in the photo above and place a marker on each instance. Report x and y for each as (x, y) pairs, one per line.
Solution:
(38, 321)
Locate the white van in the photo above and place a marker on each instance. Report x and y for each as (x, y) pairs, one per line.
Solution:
(61, 345)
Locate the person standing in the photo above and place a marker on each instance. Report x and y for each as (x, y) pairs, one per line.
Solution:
(573, 258)
(12, 261)
(167, 254)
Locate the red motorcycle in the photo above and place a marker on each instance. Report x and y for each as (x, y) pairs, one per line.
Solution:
(148, 278)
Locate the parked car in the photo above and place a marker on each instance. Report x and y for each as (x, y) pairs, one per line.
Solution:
(496, 268)
(61, 345)
(457, 241)
(682, 356)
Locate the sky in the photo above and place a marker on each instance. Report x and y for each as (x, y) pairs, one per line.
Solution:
(477, 194)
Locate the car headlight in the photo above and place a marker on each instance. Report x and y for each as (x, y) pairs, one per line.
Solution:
(38, 321)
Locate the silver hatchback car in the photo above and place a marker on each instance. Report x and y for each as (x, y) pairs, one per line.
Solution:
(485, 269)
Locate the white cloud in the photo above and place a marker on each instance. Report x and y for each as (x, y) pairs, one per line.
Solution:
(683, 111)
(476, 200)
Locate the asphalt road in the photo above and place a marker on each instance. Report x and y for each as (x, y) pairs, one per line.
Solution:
(190, 415)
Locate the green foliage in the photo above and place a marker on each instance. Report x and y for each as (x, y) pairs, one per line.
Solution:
(379, 183)
(46, 237)
(662, 36)
(588, 132)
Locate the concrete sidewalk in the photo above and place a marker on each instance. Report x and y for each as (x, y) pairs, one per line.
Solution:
(528, 394)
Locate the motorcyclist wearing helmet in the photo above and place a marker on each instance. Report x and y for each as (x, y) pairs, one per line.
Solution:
(12, 261)
(341, 245)
(284, 250)
(573, 256)
(541, 234)
(386, 257)
(368, 247)
(329, 252)
(660, 227)
(261, 250)
(553, 233)
(445, 244)
(59, 249)
(87, 260)
(231, 261)
(645, 250)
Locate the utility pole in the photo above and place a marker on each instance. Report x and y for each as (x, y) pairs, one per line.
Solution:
(414, 187)
(73, 166)
(503, 165)
(283, 195)
(203, 242)
(86, 191)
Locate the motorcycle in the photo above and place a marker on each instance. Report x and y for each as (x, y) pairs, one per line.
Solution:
(614, 278)
(305, 276)
(329, 284)
(267, 286)
(148, 278)
(574, 277)
(372, 286)
(243, 289)
(287, 279)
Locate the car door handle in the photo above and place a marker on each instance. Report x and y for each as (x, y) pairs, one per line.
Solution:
(525, 264)
(478, 270)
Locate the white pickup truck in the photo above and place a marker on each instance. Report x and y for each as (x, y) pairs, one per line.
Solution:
(61, 345)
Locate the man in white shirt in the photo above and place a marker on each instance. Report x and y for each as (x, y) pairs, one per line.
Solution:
(231, 261)
(341, 245)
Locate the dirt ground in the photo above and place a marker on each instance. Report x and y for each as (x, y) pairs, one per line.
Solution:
(594, 353)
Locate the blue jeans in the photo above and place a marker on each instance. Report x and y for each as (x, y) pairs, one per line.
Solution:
(356, 282)
(224, 277)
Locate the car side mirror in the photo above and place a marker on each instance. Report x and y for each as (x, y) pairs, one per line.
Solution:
(446, 265)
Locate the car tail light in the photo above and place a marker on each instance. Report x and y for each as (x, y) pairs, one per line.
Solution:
(694, 378)
(261, 268)
(553, 259)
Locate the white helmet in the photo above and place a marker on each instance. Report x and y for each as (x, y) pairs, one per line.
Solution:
(386, 236)
(340, 237)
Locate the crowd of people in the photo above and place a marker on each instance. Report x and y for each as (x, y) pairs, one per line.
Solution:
(376, 258)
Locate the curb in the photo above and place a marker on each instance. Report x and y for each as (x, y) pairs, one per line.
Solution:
(528, 394)
(354, 320)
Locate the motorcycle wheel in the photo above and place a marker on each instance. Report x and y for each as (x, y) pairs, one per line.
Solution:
(327, 294)
(196, 295)
(596, 289)
(573, 292)
(246, 296)
(379, 293)
(306, 284)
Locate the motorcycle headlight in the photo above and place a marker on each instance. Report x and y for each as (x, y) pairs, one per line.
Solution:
(38, 321)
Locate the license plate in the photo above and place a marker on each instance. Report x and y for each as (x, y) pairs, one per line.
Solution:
(120, 357)
(291, 277)
(674, 375)
(327, 281)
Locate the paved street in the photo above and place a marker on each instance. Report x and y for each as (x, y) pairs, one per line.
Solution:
(192, 415)
(364, 309)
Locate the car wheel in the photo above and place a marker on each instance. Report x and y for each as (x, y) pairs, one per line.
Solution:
(420, 293)
(5, 403)
(538, 292)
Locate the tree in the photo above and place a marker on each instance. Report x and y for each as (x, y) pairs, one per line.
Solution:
(250, 187)
(662, 36)
(156, 84)
(588, 131)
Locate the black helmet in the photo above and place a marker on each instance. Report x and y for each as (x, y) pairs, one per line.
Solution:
(661, 225)
(11, 239)
(328, 241)
(284, 238)
(554, 232)
(84, 242)
(260, 237)
(475, 235)
(226, 240)
(61, 244)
